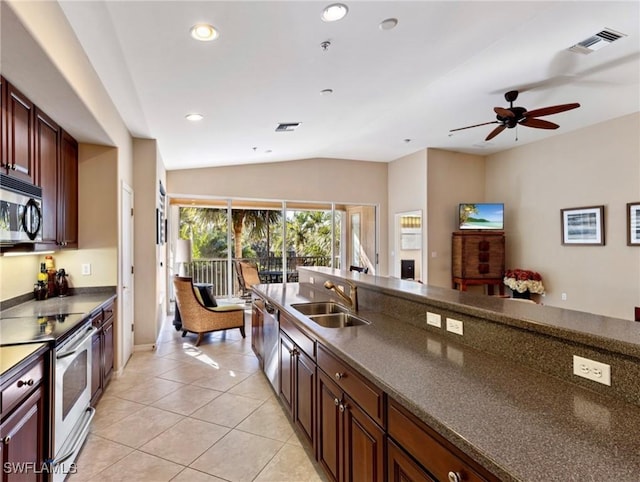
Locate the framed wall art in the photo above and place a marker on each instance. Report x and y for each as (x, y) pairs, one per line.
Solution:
(583, 226)
(633, 224)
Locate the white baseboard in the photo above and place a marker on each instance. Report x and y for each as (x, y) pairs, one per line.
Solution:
(147, 347)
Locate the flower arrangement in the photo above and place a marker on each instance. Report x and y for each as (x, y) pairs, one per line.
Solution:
(522, 280)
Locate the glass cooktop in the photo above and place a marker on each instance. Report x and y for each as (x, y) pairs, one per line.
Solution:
(38, 329)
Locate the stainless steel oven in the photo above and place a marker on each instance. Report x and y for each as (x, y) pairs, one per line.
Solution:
(72, 396)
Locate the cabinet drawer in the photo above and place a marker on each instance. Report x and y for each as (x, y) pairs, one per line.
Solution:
(306, 344)
(369, 397)
(21, 387)
(435, 454)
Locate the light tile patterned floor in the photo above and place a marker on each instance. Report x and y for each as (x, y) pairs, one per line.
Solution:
(186, 413)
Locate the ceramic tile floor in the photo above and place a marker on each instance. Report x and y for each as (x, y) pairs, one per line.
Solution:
(186, 413)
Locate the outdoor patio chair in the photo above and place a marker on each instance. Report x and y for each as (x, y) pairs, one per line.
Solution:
(248, 276)
(199, 319)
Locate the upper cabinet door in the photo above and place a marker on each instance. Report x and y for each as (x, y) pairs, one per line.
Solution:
(47, 147)
(3, 124)
(68, 192)
(19, 135)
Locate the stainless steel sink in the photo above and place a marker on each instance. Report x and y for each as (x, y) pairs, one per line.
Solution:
(338, 320)
(320, 308)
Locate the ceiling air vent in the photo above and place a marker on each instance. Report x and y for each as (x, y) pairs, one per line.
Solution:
(597, 41)
(287, 127)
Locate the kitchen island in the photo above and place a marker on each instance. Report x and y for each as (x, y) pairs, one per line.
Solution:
(516, 421)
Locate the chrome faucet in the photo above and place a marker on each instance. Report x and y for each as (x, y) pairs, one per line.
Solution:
(351, 300)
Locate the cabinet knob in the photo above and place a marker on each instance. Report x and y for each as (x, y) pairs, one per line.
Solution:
(343, 407)
(7, 439)
(22, 383)
(339, 375)
(454, 477)
(336, 401)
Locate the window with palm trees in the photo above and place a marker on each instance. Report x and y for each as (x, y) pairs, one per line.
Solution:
(277, 237)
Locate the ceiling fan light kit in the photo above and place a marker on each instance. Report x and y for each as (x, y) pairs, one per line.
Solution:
(511, 116)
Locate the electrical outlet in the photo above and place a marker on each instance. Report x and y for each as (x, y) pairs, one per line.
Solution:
(312, 280)
(454, 326)
(592, 370)
(563, 296)
(86, 269)
(434, 319)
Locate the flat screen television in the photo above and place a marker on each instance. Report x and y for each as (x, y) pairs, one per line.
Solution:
(481, 216)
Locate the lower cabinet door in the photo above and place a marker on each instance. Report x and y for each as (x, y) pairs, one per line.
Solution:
(401, 468)
(305, 395)
(23, 441)
(107, 331)
(286, 371)
(96, 367)
(363, 445)
(329, 437)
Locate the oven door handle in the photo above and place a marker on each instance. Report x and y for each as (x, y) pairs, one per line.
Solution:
(80, 436)
(77, 345)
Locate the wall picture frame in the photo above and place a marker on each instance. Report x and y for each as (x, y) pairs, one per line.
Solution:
(633, 224)
(583, 226)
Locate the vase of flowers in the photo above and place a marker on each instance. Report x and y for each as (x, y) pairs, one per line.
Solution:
(523, 282)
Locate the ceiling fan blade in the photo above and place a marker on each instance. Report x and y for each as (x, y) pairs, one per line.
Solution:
(554, 109)
(539, 124)
(476, 125)
(495, 132)
(502, 112)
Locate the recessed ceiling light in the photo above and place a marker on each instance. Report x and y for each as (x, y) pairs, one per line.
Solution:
(388, 24)
(334, 12)
(204, 32)
(194, 117)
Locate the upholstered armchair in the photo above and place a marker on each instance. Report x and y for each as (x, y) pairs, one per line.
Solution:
(199, 319)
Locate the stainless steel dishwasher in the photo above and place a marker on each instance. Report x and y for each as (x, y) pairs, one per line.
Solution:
(271, 333)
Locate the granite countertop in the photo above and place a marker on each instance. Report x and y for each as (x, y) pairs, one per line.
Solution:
(12, 356)
(520, 424)
(81, 303)
(609, 333)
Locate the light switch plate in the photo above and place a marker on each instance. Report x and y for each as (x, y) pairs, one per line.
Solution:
(86, 269)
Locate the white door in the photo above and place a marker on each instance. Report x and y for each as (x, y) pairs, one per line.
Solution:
(126, 270)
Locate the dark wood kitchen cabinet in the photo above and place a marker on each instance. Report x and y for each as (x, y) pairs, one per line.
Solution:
(298, 377)
(18, 127)
(67, 227)
(102, 349)
(351, 443)
(47, 148)
(436, 457)
(57, 156)
(3, 123)
(23, 429)
(402, 468)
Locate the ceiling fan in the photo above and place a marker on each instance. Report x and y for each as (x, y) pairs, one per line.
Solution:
(512, 116)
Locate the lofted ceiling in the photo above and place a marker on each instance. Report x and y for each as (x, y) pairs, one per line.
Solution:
(445, 65)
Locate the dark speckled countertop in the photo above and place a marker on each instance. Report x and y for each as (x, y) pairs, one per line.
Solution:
(519, 423)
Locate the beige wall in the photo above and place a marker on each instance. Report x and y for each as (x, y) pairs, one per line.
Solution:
(598, 165)
(337, 180)
(150, 269)
(407, 191)
(452, 178)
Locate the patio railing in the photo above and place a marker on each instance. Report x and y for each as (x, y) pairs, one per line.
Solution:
(214, 271)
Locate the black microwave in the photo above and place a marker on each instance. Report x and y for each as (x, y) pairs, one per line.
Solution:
(20, 212)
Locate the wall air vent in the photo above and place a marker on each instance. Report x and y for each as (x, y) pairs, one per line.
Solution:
(287, 127)
(597, 41)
